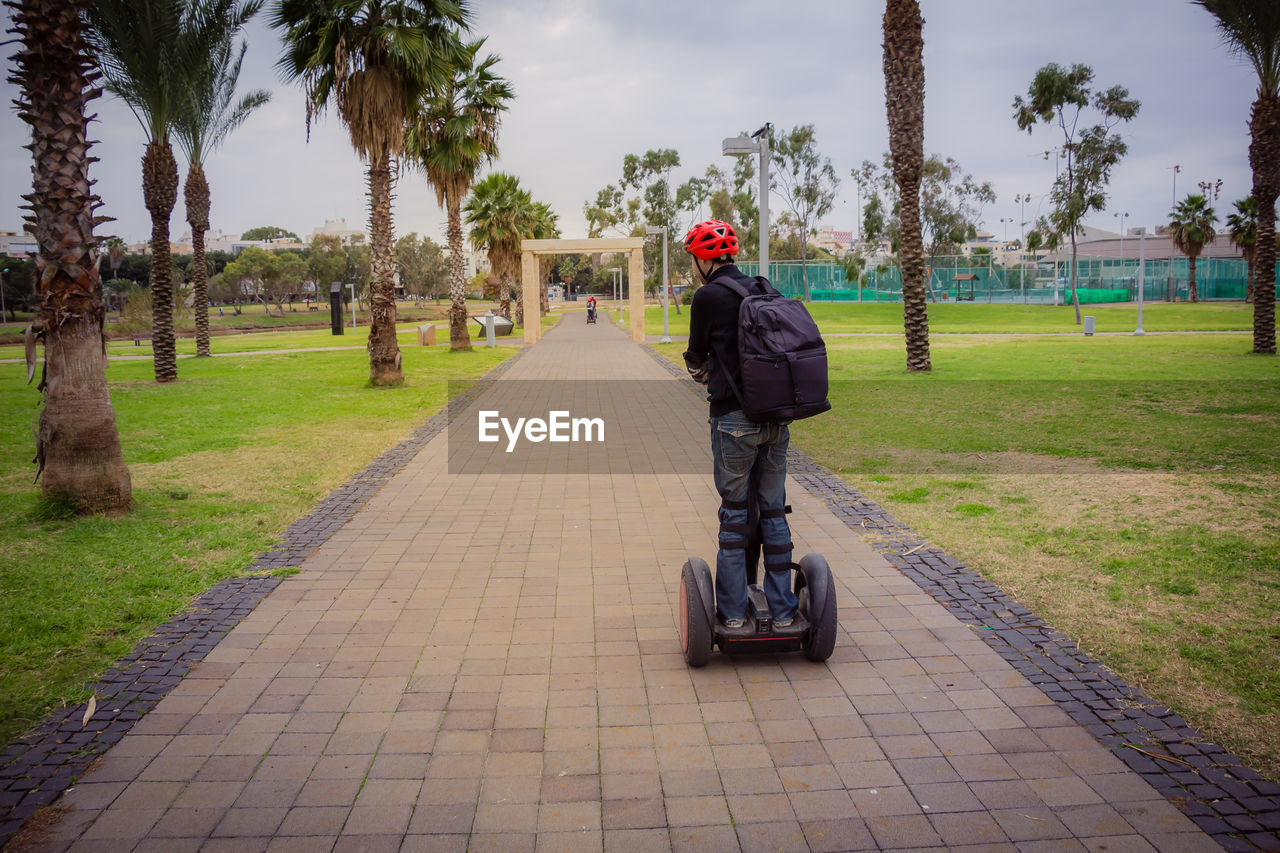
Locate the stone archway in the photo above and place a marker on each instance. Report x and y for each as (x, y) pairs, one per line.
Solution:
(530, 249)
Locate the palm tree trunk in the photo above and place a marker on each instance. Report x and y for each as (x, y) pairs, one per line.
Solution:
(384, 351)
(77, 445)
(504, 290)
(1264, 157)
(459, 335)
(197, 199)
(1193, 295)
(904, 100)
(160, 191)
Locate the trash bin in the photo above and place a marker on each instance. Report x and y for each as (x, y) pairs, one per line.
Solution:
(1088, 325)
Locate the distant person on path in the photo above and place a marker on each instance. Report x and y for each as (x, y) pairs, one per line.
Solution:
(591, 308)
(739, 446)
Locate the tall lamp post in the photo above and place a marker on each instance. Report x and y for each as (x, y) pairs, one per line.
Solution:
(617, 293)
(1176, 169)
(4, 276)
(743, 146)
(1142, 276)
(1122, 217)
(666, 287)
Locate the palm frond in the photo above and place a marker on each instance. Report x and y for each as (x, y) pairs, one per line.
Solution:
(1251, 28)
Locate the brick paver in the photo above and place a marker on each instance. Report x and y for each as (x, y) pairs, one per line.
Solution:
(492, 663)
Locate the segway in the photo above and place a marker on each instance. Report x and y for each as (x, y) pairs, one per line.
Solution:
(591, 314)
(813, 631)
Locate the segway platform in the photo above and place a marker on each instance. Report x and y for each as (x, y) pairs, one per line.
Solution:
(813, 631)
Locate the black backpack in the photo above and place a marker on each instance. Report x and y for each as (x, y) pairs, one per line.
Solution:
(782, 356)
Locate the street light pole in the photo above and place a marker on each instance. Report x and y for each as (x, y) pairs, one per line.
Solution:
(1122, 217)
(1176, 170)
(758, 142)
(1142, 277)
(353, 307)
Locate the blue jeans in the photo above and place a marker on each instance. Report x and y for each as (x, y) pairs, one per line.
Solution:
(738, 448)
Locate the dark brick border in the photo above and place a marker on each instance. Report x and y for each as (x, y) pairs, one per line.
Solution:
(1231, 802)
(36, 768)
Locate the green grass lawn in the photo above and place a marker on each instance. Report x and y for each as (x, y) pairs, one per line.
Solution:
(886, 318)
(1126, 489)
(222, 462)
(284, 339)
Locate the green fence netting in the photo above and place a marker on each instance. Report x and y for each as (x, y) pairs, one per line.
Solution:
(1047, 282)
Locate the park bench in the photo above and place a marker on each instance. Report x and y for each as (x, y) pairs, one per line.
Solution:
(139, 337)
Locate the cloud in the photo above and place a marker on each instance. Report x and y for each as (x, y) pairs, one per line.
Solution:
(598, 79)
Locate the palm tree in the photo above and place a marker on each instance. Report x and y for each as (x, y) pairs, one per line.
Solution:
(540, 224)
(1252, 28)
(453, 132)
(1191, 227)
(77, 445)
(1242, 228)
(495, 213)
(904, 98)
(135, 46)
(147, 51)
(115, 255)
(373, 59)
(208, 115)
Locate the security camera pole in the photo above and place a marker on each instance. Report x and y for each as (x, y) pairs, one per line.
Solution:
(742, 146)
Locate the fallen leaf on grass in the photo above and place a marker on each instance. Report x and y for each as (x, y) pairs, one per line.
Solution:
(88, 712)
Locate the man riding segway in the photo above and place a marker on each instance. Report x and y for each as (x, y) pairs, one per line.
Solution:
(757, 383)
(591, 309)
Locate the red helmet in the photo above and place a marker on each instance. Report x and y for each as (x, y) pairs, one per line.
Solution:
(711, 239)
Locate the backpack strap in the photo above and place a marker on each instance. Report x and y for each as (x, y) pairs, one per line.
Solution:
(737, 288)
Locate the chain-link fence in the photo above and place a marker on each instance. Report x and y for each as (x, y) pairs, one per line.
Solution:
(960, 279)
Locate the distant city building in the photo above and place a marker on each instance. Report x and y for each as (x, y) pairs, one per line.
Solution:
(17, 244)
(834, 241)
(338, 228)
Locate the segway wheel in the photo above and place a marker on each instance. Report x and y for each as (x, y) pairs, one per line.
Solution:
(818, 604)
(695, 614)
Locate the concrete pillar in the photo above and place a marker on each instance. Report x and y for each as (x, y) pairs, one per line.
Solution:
(635, 280)
(529, 291)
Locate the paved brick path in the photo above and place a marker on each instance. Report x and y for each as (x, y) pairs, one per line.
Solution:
(491, 663)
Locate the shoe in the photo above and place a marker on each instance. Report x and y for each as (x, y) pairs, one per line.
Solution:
(783, 623)
(734, 623)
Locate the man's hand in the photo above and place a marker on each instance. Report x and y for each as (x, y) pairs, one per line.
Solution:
(698, 367)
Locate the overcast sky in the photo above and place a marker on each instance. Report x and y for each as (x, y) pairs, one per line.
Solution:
(598, 79)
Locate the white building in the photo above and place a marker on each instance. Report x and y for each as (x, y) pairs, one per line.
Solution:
(17, 244)
(338, 228)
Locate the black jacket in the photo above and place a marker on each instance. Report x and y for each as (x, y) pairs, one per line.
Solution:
(713, 335)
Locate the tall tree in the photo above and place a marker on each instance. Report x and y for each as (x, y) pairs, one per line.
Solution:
(1252, 29)
(495, 212)
(326, 263)
(423, 266)
(1242, 228)
(1191, 227)
(807, 181)
(209, 114)
(904, 99)
(951, 202)
(374, 59)
(1060, 96)
(452, 133)
(540, 224)
(77, 445)
(147, 51)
